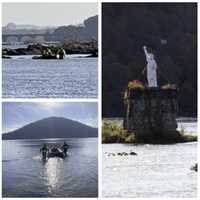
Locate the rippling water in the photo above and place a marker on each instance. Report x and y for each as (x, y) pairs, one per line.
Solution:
(157, 170)
(25, 175)
(72, 77)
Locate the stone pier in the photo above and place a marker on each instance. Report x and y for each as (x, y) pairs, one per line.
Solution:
(151, 115)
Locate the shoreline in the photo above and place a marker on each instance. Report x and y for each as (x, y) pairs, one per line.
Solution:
(70, 48)
(113, 132)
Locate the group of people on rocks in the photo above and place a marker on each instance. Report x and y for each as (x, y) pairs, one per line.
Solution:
(48, 53)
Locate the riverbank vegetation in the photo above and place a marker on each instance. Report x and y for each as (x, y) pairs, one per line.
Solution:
(113, 132)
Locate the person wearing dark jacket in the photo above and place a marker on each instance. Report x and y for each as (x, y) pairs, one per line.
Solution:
(44, 150)
(65, 148)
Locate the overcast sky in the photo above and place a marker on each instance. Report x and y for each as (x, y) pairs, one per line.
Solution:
(18, 114)
(47, 14)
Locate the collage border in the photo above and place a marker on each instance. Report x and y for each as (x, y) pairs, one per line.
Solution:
(99, 99)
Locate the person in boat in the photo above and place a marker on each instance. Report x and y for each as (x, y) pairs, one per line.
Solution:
(65, 148)
(44, 150)
(44, 53)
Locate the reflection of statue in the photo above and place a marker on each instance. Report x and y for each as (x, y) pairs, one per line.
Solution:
(151, 69)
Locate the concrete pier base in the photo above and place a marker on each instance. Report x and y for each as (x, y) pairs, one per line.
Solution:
(151, 115)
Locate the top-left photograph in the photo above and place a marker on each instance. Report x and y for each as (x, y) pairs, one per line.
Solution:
(50, 50)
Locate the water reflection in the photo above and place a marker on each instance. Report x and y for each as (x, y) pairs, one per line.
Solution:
(52, 173)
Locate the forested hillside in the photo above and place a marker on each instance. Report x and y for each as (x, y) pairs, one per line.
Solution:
(169, 30)
(87, 32)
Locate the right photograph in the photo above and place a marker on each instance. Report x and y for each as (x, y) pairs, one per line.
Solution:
(149, 94)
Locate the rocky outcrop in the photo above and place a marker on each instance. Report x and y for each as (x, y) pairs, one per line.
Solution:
(70, 48)
(195, 167)
(81, 48)
(30, 50)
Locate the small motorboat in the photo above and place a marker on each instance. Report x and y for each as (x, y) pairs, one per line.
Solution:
(56, 152)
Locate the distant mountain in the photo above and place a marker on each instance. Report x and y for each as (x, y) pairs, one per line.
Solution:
(53, 127)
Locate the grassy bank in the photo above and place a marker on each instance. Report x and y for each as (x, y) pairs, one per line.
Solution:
(113, 132)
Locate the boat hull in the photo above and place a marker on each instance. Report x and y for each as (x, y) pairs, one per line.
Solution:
(57, 154)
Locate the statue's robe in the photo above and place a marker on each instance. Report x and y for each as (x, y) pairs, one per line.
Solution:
(151, 71)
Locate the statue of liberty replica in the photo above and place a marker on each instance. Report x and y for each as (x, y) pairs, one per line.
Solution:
(151, 110)
(151, 69)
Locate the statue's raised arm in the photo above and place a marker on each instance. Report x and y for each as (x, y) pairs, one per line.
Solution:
(145, 51)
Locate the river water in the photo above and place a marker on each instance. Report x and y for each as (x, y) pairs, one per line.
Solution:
(158, 171)
(72, 77)
(25, 175)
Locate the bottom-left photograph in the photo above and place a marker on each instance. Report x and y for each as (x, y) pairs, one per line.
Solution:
(50, 149)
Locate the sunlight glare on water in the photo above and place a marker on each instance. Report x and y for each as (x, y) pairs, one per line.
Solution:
(25, 174)
(52, 168)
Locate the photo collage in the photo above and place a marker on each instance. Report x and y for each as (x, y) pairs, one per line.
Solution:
(99, 99)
